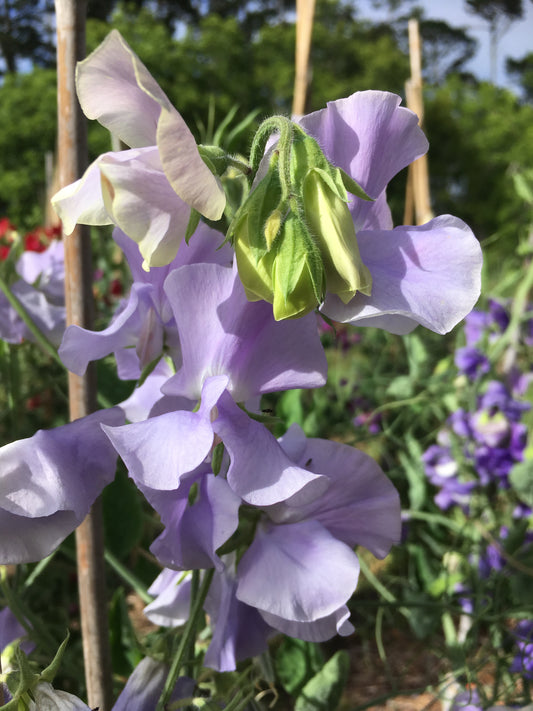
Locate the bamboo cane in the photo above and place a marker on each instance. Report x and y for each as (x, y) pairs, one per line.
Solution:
(72, 160)
(305, 10)
(417, 192)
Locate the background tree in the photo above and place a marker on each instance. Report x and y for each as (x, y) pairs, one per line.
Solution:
(499, 14)
(522, 71)
(26, 32)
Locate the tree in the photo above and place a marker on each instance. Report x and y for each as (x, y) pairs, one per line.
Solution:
(499, 14)
(522, 71)
(445, 49)
(26, 32)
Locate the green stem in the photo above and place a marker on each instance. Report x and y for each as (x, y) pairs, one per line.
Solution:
(187, 637)
(128, 576)
(382, 590)
(41, 339)
(286, 131)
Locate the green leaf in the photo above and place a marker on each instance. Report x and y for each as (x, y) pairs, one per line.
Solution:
(296, 662)
(521, 478)
(192, 224)
(353, 187)
(324, 691)
(51, 670)
(122, 515)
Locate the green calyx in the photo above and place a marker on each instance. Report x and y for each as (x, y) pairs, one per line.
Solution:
(294, 237)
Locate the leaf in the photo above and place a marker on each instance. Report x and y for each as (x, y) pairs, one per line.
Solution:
(122, 515)
(323, 692)
(296, 662)
(521, 479)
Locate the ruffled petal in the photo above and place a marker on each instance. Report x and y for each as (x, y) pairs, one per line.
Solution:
(80, 346)
(428, 275)
(48, 483)
(186, 171)
(81, 202)
(360, 507)
(140, 200)
(163, 449)
(257, 353)
(172, 605)
(260, 472)
(317, 631)
(193, 532)
(239, 630)
(298, 572)
(115, 88)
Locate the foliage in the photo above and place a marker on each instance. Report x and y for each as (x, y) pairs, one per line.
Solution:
(28, 117)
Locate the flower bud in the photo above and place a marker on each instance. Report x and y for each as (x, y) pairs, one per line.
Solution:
(329, 221)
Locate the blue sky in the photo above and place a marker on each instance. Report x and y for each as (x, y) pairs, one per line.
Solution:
(517, 41)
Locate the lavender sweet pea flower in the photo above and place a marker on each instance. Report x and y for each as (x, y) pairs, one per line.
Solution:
(257, 353)
(149, 190)
(41, 292)
(430, 274)
(144, 323)
(48, 483)
(360, 506)
(145, 686)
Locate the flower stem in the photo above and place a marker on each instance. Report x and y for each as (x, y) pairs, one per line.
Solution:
(186, 639)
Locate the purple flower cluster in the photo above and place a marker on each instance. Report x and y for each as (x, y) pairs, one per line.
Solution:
(487, 440)
(523, 661)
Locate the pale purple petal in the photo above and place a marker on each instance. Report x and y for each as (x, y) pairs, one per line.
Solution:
(145, 686)
(81, 202)
(48, 267)
(11, 629)
(116, 89)
(428, 275)
(80, 346)
(49, 318)
(360, 507)
(159, 451)
(298, 572)
(258, 354)
(172, 604)
(260, 472)
(140, 200)
(142, 400)
(372, 138)
(186, 171)
(317, 631)
(239, 630)
(48, 483)
(193, 532)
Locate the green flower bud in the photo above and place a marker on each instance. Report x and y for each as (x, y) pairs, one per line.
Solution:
(329, 221)
(294, 237)
(287, 275)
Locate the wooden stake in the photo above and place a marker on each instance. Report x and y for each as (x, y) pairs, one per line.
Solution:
(417, 192)
(305, 10)
(72, 161)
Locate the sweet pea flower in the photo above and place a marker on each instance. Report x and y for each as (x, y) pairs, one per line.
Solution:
(359, 506)
(48, 483)
(149, 190)
(428, 274)
(40, 291)
(144, 323)
(246, 355)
